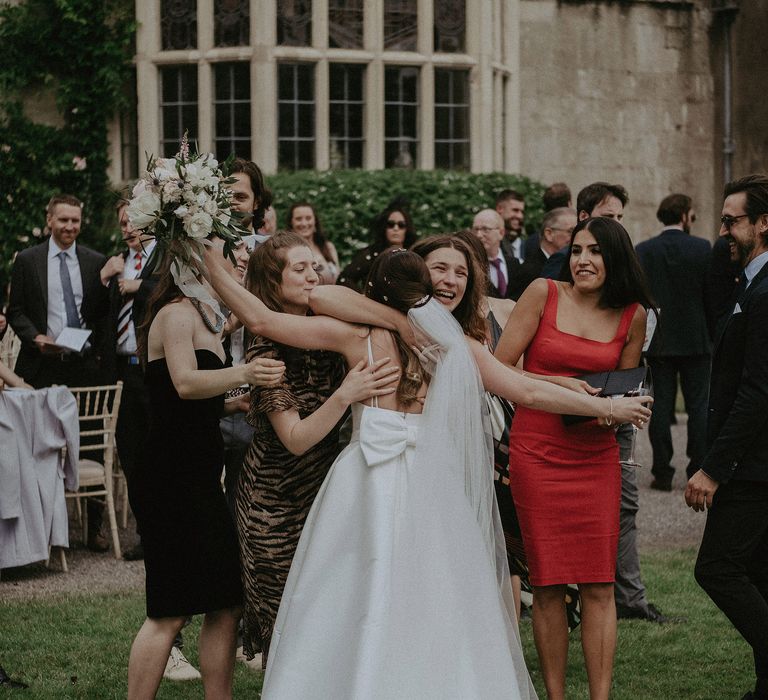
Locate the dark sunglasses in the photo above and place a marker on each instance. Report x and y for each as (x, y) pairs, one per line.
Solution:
(396, 224)
(729, 221)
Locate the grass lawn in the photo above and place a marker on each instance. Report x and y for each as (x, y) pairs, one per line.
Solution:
(77, 647)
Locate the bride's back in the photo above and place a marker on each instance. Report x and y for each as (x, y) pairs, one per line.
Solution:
(382, 344)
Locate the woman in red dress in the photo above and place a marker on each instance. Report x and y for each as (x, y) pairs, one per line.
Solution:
(566, 480)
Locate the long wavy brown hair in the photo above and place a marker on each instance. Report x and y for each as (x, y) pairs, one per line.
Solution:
(469, 310)
(165, 292)
(264, 275)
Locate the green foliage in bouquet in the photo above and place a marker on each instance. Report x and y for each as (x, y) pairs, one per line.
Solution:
(440, 201)
(79, 51)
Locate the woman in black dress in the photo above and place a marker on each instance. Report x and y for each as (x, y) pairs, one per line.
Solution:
(190, 543)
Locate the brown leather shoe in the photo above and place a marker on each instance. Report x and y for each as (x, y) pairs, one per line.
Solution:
(97, 542)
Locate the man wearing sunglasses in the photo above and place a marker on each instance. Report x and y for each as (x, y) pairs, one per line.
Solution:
(676, 266)
(732, 484)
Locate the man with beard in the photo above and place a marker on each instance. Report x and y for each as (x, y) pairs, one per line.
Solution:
(732, 566)
(676, 266)
(511, 206)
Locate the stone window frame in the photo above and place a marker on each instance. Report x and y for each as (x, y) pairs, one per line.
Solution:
(492, 66)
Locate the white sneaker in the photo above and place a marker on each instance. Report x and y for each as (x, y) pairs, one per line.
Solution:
(254, 664)
(177, 668)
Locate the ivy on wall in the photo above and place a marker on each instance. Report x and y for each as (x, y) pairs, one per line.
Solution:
(80, 52)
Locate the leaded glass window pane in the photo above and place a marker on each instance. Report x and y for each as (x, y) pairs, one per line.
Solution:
(451, 119)
(178, 24)
(231, 22)
(401, 114)
(346, 115)
(345, 24)
(178, 107)
(296, 110)
(450, 23)
(294, 22)
(232, 107)
(400, 25)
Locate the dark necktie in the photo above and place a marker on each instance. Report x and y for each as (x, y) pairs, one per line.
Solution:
(501, 284)
(73, 318)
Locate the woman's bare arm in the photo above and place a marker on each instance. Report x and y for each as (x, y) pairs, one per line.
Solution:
(174, 329)
(545, 396)
(311, 333)
(361, 383)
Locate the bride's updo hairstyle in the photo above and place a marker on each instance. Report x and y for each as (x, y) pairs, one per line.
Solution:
(400, 279)
(264, 275)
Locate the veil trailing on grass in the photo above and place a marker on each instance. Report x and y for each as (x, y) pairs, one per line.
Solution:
(456, 437)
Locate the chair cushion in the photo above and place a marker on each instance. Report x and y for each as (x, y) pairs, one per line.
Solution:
(91, 473)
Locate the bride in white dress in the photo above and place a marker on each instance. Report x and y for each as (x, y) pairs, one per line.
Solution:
(399, 588)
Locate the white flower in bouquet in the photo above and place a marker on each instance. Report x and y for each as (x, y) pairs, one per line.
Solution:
(172, 191)
(144, 209)
(181, 201)
(199, 225)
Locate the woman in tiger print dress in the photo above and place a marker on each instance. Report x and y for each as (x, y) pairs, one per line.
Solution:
(296, 437)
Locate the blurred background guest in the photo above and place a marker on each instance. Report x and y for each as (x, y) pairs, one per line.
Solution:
(302, 219)
(391, 227)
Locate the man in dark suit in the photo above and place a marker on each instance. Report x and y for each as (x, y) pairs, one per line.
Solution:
(676, 265)
(597, 199)
(732, 566)
(557, 228)
(129, 281)
(510, 205)
(55, 285)
(488, 226)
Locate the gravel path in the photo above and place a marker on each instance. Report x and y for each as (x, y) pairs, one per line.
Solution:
(664, 522)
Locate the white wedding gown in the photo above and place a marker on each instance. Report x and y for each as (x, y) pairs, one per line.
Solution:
(393, 593)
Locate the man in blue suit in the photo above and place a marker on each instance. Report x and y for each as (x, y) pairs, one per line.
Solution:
(676, 265)
(732, 566)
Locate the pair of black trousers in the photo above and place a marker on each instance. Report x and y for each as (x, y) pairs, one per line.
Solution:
(694, 382)
(732, 566)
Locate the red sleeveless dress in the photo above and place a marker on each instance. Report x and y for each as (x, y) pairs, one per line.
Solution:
(566, 481)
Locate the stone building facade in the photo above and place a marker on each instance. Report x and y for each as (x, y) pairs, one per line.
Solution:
(629, 91)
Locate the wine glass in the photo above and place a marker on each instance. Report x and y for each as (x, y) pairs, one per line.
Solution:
(645, 388)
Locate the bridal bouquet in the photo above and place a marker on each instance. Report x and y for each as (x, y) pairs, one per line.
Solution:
(180, 201)
(185, 198)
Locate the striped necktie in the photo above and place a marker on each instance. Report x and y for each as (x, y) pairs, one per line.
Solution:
(124, 317)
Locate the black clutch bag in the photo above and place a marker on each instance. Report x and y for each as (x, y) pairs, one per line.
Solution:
(618, 382)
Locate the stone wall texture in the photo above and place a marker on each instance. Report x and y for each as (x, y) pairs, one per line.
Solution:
(623, 92)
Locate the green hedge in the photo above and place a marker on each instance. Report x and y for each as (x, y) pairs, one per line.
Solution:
(440, 201)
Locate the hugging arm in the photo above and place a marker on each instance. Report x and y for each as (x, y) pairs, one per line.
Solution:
(545, 396)
(310, 333)
(362, 382)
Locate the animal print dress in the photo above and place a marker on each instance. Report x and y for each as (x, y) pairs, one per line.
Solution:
(276, 488)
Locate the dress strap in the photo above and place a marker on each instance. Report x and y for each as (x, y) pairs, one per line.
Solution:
(626, 320)
(550, 306)
(375, 399)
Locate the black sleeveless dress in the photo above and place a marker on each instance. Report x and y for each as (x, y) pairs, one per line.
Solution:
(190, 542)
